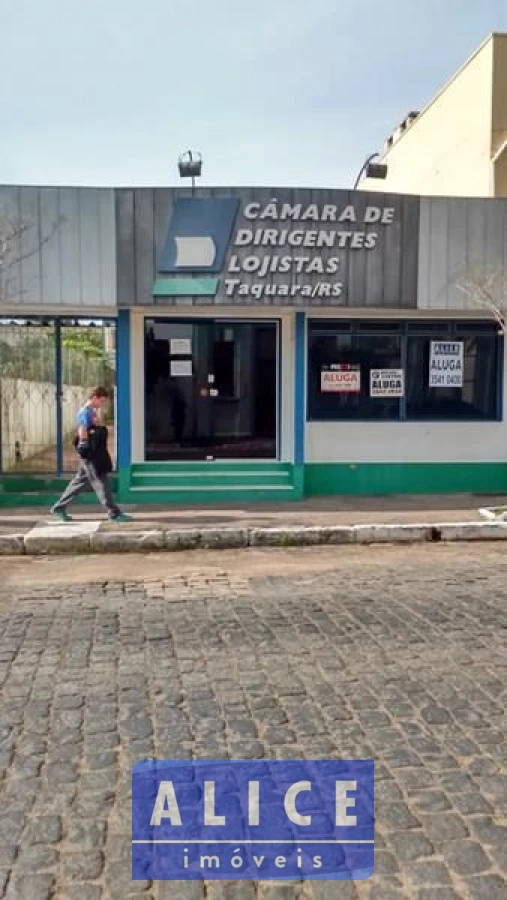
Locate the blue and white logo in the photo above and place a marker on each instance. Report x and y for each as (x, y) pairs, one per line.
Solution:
(199, 235)
(255, 820)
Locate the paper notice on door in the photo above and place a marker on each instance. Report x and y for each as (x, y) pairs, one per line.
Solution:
(180, 347)
(181, 368)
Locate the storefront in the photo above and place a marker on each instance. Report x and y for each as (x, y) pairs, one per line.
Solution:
(274, 344)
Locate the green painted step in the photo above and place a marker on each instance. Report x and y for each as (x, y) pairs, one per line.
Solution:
(200, 496)
(211, 482)
(209, 479)
(210, 466)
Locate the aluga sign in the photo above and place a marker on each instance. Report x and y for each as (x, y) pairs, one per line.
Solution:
(446, 364)
(252, 820)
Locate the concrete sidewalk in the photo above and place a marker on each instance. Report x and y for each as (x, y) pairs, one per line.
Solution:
(329, 520)
(316, 511)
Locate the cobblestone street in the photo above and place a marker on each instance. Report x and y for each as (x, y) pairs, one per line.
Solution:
(395, 654)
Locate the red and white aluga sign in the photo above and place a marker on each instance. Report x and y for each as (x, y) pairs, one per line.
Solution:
(341, 379)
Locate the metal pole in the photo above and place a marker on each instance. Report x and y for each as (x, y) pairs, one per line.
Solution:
(1, 416)
(59, 397)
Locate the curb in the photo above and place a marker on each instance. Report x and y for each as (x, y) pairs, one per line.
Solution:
(59, 540)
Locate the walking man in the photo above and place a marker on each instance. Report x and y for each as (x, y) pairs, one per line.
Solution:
(94, 463)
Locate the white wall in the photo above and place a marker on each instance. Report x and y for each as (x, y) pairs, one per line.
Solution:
(446, 151)
(360, 442)
(28, 411)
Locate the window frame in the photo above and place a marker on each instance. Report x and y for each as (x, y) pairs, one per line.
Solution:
(458, 329)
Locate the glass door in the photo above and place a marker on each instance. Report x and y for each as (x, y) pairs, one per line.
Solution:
(210, 389)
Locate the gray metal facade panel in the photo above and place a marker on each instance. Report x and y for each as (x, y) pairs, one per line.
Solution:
(107, 248)
(125, 248)
(411, 218)
(460, 238)
(89, 247)
(51, 286)
(68, 248)
(10, 273)
(68, 235)
(496, 238)
(30, 280)
(424, 256)
(144, 210)
(457, 240)
(440, 249)
(385, 276)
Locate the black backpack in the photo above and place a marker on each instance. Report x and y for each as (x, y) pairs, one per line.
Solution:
(99, 454)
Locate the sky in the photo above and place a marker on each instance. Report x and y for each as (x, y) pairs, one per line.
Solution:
(270, 92)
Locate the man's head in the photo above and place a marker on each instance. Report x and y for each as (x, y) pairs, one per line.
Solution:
(98, 397)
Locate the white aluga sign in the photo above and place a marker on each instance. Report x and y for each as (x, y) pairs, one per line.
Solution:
(446, 364)
(387, 382)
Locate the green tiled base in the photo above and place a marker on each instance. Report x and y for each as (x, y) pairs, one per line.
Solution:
(191, 484)
(37, 490)
(367, 479)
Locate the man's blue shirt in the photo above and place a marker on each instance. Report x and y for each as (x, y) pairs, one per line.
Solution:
(85, 418)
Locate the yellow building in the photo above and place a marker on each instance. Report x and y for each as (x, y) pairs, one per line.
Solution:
(457, 145)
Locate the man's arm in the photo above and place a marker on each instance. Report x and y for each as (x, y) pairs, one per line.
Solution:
(83, 423)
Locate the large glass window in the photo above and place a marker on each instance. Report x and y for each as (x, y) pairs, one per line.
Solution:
(47, 367)
(404, 370)
(476, 398)
(339, 368)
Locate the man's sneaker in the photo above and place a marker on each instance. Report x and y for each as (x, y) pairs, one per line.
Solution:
(121, 517)
(61, 515)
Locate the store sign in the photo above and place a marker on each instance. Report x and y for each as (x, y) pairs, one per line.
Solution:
(387, 383)
(198, 236)
(232, 820)
(285, 250)
(446, 364)
(340, 379)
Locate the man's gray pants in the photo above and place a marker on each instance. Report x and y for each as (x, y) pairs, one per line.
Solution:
(84, 477)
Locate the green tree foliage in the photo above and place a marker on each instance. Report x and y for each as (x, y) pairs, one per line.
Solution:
(28, 353)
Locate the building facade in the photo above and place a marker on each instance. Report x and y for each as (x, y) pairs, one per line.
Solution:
(457, 145)
(268, 343)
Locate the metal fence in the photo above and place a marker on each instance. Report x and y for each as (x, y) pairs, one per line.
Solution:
(47, 366)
